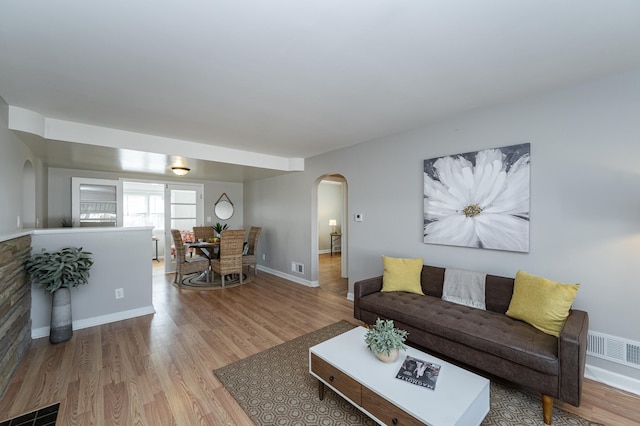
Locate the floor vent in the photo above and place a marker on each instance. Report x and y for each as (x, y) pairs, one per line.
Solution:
(614, 349)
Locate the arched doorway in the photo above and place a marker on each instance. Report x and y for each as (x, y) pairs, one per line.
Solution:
(329, 233)
(28, 196)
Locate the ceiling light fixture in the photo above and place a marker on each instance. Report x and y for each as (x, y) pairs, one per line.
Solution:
(180, 171)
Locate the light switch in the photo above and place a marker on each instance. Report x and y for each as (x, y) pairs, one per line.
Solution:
(357, 217)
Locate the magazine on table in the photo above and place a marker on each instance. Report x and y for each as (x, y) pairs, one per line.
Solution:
(419, 372)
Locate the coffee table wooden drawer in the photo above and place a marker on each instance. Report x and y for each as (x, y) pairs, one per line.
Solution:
(337, 379)
(385, 411)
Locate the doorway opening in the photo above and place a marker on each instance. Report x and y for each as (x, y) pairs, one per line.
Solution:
(330, 231)
(164, 206)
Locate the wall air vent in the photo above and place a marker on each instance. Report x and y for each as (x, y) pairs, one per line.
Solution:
(612, 348)
(633, 354)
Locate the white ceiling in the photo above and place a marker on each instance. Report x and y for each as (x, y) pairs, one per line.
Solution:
(294, 78)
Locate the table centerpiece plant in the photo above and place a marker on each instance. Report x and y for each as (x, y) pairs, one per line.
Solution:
(218, 228)
(56, 273)
(385, 340)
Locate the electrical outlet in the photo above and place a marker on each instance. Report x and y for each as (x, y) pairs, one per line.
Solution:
(119, 293)
(297, 267)
(264, 256)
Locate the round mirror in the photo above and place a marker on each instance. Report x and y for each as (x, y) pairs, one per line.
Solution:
(223, 209)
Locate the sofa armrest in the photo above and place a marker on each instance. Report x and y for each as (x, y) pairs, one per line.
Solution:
(572, 354)
(362, 288)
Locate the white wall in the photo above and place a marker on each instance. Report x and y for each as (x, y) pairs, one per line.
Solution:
(585, 204)
(120, 261)
(13, 155)
(282, 207)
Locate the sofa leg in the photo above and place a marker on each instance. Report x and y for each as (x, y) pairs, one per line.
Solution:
(547, 408)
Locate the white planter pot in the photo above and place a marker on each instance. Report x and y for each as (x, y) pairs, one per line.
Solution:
(393, 355)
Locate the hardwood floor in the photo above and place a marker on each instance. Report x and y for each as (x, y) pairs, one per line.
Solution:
(330, 274)
(157, 369)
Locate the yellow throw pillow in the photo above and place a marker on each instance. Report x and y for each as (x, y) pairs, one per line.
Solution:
(402, 274)
(541, 302)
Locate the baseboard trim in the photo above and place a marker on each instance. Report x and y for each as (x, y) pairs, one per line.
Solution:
(610, 378)
(328, 251)
(293, 278)
(37, 333)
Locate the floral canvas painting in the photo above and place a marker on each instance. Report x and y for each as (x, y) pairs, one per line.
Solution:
(479, 199)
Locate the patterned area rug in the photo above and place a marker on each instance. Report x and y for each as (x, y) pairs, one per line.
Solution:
(197, 282)
(274, 387)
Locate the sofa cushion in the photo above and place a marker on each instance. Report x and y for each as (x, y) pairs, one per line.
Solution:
(487, 331)
(402, 274)
(541, 302)
(432, 280)
(498, 293)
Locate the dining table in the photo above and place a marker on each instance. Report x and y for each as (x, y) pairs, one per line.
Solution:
(210, 250)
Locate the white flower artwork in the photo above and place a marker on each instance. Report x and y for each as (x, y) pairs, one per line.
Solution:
(479, 199)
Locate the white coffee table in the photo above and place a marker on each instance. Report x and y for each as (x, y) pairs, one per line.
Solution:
(347, 366)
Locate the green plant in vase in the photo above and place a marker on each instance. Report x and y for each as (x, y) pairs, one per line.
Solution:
(385, 340)
(56, 273)
(218, 228)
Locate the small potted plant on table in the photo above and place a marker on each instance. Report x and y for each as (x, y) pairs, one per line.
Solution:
(218, 228)
(56, 273)
(385, 340)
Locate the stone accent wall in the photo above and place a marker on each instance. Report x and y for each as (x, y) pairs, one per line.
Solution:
(15, 306)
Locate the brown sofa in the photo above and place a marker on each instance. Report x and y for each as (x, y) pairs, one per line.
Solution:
(485, 340)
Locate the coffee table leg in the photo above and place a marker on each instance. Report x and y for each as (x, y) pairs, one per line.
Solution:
(320, 390)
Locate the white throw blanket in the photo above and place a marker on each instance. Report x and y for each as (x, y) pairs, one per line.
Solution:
(464, 287)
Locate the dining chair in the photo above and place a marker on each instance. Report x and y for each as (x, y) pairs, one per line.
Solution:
(186, 265)
(204, 233)
(250, 259)
(230, 259)
(187, 237)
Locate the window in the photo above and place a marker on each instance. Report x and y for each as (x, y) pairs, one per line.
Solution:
(143, 204)
(96, 202)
